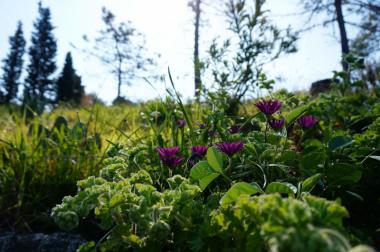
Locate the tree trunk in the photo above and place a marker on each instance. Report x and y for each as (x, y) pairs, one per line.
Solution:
(197, 70)
(342, 31)
(119, 77)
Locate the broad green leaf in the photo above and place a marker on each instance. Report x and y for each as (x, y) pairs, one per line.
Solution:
(313, 145)
(238, 189)
(309, 183)
(339, 142)
(203, 173)
(311, 161)
(289, 156)
(375, 157)
(281, 187)
(215, 159)
(343, 174)
(294, 114)
(205, 181)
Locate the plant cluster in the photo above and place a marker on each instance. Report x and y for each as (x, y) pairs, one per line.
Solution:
(293, 175)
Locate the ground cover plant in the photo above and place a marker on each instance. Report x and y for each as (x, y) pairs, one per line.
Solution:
(290, 173)
(287, 173)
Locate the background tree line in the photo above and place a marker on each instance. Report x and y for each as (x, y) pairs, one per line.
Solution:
(39, 88)
(235, 63)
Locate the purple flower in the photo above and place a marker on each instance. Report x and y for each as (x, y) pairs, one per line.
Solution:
(201, 125)
(234, 128)
(168, 156)
(276, 124)
(230, 148)
(191, 162)
(307, 121)
(181, 123)
(167, 152)
(199, 151)
(173, 162)
(269, 107)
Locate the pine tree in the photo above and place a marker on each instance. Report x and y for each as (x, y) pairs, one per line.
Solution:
(12, 65)
(69, 88)
(39, 86)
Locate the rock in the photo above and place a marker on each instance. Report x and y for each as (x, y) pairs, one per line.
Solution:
(56, 242)
(321, 86)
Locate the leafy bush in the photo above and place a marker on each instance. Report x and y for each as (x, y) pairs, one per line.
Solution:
(139, 216)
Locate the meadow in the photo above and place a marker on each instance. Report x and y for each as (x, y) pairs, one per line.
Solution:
(288, 172)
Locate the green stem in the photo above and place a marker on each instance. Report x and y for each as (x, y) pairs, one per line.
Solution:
(266, 129)
(286, 142)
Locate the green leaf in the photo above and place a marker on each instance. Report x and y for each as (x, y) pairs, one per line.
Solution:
(309, 183)
(343, 174)
(281, 187)
(294, 114)
(203, 173)
(375, 157)
(339, 142)
(215, 159)
(116, 200)
(311, 161)
(355, 195)
(238, 189)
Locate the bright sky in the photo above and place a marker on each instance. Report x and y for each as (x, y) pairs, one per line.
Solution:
(168, 27)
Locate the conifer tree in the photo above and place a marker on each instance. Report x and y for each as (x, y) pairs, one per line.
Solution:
(39, 84)
(12, 65)
(69, 88)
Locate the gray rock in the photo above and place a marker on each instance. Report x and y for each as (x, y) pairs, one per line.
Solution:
(321, 86)
(56, 242)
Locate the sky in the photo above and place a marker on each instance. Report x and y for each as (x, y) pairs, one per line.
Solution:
(168, 28)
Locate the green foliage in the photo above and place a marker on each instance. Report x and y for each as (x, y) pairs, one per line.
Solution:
(69, 87)
(238, 189)
(258, 197)
(137, 214)
(12, 66)
(236, 64)
(141, 217)
(39, 84)
(273, 223)
(203, 173)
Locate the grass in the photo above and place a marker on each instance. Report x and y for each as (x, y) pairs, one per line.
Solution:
(41, 159)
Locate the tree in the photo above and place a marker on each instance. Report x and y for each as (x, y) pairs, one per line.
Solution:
(39, 85)
(196, 7)
(69, 87)
(121, 48)
(366, 42)
(237, 63)
(338, 12)
(12, 65)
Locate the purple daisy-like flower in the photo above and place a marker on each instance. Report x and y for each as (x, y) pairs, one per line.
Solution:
(276, 124)
(167, 152)
(230, 148)
(269, 107)
(233, 129)
(173, 161)
(199, 151)
(181, 123)
(168, 156)
(307, 121)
